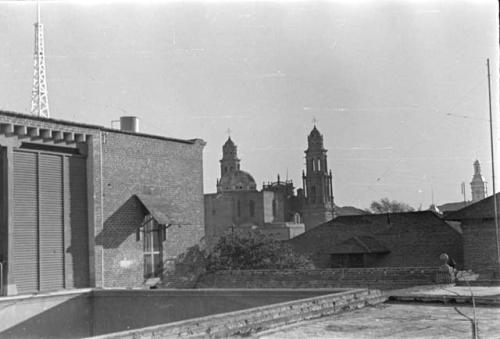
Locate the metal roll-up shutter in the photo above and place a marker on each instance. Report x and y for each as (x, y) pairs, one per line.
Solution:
(51, 222)
(24, 265)
(77, 257)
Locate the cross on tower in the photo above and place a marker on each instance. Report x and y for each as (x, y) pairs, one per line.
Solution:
(228, 132)
(314, 121)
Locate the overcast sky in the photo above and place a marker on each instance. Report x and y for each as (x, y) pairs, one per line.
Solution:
(398, 88)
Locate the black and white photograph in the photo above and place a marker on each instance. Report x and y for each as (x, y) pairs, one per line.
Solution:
(263, 169)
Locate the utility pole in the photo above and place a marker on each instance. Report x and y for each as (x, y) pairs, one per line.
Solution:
(493, 167)
(463, 193)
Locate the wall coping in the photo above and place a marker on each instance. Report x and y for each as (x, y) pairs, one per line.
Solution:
(34, 296)
(97, 127)
(364, 269)
(210, 292)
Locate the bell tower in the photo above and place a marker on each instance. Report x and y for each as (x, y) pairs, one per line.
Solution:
(478, 184)
(229, 162)
(317, 183)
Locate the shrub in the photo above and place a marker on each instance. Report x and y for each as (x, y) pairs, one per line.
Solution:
(255, 251)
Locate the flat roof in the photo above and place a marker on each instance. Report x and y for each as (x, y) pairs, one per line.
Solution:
(97, 127)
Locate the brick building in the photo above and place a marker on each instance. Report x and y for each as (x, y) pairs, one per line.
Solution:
(88, 206)
(479, 237)
(381, 240)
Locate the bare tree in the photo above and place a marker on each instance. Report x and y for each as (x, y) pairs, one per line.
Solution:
(385, 205)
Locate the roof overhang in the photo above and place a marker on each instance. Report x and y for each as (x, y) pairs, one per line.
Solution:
(161, 210)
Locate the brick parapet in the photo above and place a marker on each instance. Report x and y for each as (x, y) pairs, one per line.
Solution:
(384, 278)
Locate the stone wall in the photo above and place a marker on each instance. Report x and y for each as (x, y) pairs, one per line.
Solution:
(221, 212)
(380, 278)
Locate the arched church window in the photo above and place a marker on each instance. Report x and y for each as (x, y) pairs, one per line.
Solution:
(319, 165)
(296, 218)
(313, 165)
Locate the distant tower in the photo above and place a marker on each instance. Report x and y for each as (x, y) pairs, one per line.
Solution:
(317, 183)
(231, 177)
(478, 184)
(39, 97)
(229, 162)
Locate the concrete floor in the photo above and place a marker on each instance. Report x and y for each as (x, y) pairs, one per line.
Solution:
(396, 321)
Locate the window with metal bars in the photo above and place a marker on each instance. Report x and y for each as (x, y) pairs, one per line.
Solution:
(153, 235)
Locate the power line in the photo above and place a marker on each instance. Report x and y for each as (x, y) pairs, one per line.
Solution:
(436, 124)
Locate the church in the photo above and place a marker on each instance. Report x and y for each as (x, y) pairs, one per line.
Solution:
(275, 210)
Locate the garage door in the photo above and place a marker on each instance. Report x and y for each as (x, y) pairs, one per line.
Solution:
(50, 250)
(24, 264)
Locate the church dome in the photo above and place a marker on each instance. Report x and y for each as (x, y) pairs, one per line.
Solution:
(237, 181)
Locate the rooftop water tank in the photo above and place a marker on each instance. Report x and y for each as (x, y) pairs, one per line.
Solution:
(129, 124)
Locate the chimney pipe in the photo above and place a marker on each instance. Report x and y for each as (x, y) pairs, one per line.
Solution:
(129, 124)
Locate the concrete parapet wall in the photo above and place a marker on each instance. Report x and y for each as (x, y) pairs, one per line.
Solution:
(50, 315)
(255, 319)
(120, 310)
(86, 312)
(380, 278)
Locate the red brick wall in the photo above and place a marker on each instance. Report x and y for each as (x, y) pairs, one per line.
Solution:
(479, 241)
(140, 165)
(415, 240)
(380, 278)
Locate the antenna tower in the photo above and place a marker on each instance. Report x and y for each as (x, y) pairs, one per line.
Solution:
(39, 95)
